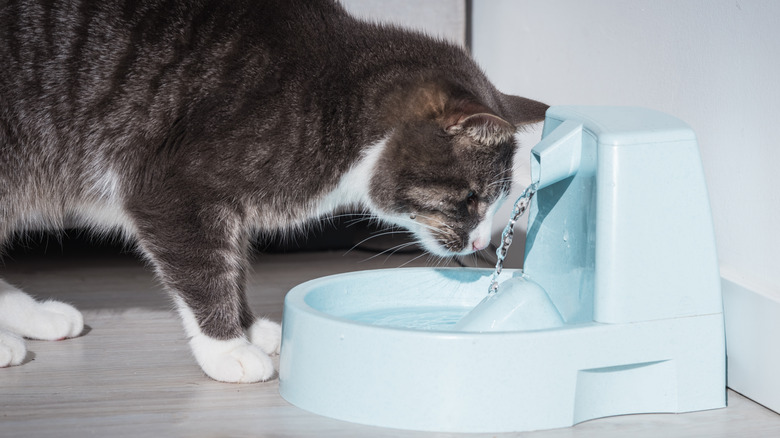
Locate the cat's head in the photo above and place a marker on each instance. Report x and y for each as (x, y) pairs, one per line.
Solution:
(443, 175)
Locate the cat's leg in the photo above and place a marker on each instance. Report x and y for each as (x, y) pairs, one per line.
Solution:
(201, 258)
(12, 349)
(47, 320)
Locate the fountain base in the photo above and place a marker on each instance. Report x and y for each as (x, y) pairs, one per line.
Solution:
(439, 379)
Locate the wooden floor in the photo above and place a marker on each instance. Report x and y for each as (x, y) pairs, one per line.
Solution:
(131, 373)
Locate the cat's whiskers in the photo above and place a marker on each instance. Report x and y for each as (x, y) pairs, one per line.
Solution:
(413, 259)
(442, 230)
(499, 179)
(392, 250)
(353, 222)
(474, 259)
(500, 182)
(441, 260)
(503, 172)
(404, 246)
(359, 216)
(390, 231)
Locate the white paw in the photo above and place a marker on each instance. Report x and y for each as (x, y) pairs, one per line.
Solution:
(12, 349)
(234, 361)
(266, 334)
(54, 321)
(26, 317)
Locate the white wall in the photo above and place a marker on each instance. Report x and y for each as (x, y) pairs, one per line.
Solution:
(441, 18)
(714, 64)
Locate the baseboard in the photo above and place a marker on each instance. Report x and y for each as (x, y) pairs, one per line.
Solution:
(752, 315)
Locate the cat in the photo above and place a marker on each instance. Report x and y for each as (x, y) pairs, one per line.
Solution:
(193, 126)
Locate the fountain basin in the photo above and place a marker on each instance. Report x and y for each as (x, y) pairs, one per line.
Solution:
(380, 348)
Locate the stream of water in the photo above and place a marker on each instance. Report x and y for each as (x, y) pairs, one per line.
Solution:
(521, 205)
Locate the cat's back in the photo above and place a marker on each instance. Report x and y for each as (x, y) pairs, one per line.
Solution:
(121, 74)
(81, 59)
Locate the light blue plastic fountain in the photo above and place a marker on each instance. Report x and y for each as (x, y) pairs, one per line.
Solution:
(618, 309)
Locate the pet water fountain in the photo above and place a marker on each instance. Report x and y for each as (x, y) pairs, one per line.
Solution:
(617, 311)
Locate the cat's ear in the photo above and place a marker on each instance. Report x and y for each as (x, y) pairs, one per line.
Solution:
(521, 111)
(484, 128)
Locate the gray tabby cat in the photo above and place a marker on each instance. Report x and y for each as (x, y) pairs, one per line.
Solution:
(192, 125)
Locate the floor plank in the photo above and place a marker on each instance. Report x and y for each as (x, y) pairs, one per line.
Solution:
(131, 373)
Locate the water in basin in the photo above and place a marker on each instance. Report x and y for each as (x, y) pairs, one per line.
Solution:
(415, 318)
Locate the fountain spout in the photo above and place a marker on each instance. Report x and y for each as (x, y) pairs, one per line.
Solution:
(557, 156)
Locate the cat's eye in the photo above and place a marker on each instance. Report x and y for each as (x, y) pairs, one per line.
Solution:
(472, 200)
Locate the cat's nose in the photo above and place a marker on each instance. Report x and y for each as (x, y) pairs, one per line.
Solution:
(480, 244)
(480, 236)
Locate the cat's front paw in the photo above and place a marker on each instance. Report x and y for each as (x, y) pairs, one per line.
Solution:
(266, 334)
(12, 349)
(55, 321)
(232, 361)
